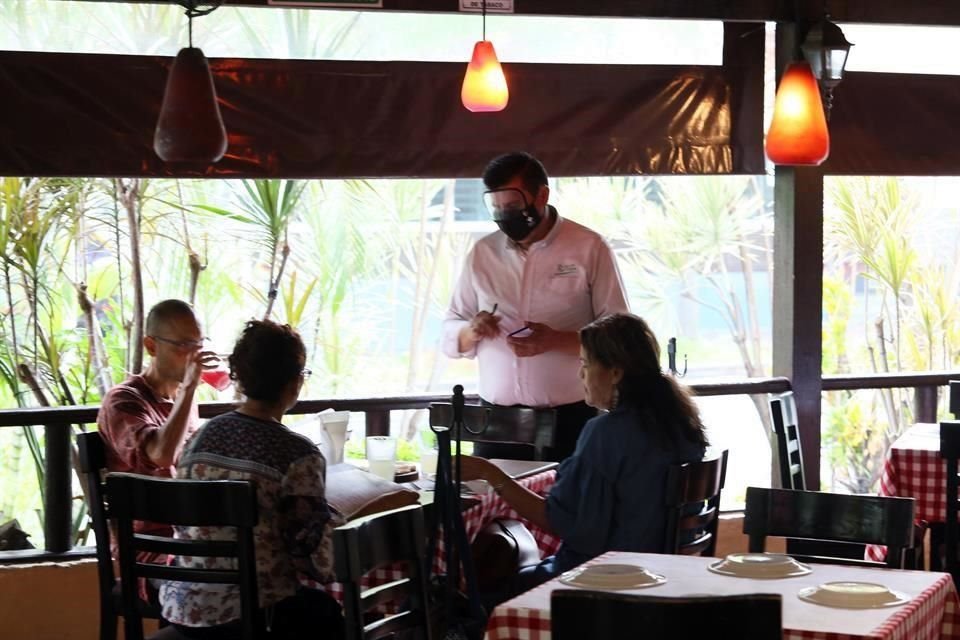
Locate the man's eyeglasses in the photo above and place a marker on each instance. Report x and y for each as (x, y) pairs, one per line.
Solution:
(306, 373)
(182, 345)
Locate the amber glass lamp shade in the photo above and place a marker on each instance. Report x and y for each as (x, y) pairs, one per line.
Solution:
(484, 85)
(190, 128)
(798, 133)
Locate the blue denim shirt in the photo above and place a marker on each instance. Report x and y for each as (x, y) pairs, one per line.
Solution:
(609, 495)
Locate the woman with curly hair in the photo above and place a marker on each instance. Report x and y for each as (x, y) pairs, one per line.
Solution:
(609, 495)
(293, 533)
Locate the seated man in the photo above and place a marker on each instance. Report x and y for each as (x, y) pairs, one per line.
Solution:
(145, 419)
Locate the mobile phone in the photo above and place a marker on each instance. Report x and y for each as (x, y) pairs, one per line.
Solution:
(522, 332)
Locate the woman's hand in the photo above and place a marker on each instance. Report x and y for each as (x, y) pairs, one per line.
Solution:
(474, 468)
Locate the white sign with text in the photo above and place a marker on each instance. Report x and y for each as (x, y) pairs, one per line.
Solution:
(493, 6)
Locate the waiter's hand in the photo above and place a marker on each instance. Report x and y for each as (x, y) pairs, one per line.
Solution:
(485, 325)
(540, 339)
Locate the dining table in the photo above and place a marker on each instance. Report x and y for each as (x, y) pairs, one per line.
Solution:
(914, 469)
(932, 608)
(481, 508)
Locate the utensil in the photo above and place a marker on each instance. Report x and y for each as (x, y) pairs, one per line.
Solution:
(852, 595)
(759, 565)
(612, 577)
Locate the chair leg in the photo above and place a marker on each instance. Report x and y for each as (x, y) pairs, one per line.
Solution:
(108, 624)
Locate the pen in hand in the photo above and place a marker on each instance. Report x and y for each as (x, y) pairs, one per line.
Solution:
(521, 329)
(494, 310)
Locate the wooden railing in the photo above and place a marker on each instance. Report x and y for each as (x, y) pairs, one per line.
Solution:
(57, 422)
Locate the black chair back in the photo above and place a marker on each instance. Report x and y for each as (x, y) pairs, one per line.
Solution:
(950, 452)
(693, 505)
(378, 540)
(783, 412)
(93, 464)
(579, 614)
(516, 425)
(834, 517)
(212, 503)
(955, 398)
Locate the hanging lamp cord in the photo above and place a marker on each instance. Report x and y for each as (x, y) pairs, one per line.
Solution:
(483, 9)
(193, 10)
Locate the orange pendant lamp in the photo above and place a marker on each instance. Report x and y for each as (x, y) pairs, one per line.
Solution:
(484, 85)
(798, 133)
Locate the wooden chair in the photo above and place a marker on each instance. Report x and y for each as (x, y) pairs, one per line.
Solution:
(693, 505)
(514, 425)
(578, 614)
(376, 541)
(93, 463)
(950, 452)
(783, 412)
(218, 503)
(821, 516)
(955, 398)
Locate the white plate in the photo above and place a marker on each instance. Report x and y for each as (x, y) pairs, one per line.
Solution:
(853, 595)
(759, 565)
(612, 576)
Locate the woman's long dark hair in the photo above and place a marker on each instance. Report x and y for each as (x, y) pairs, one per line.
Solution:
(625, 341)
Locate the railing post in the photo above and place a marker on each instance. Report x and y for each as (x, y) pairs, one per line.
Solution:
(378, 422)
(57, 512)
(925, 403)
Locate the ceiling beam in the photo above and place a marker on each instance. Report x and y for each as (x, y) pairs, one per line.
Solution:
(915, 12)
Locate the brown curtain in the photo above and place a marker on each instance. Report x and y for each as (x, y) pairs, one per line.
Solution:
(80, 115)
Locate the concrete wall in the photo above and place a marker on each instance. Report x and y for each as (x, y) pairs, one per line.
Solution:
(52, 601)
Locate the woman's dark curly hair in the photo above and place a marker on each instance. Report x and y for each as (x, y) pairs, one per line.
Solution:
(266, 358)
(625, 341)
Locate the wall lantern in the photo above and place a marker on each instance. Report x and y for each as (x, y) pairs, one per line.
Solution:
(190, 128)
(484, 85)
(826, 49)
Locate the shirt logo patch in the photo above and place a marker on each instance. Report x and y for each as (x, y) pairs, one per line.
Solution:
(565, 271)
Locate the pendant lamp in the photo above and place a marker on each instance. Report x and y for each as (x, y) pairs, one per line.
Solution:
(798, 132)
(190, 128)
(484, 85)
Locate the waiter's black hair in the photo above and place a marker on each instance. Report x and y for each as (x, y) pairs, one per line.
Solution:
(505, 168)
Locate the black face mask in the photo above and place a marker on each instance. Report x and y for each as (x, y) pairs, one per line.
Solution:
(518, 225)
(515, 221)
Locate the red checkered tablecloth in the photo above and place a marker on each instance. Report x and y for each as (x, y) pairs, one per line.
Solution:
(914, 469)
(490, 507)
(933, 611)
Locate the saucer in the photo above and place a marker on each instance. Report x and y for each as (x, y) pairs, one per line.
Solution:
(612, 576)
(853, 595)
(759, 565)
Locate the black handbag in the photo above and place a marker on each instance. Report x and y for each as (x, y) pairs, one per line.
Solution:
(459, 614)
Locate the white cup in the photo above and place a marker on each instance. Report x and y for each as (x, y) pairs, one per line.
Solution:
(381, 456)
(335, 432)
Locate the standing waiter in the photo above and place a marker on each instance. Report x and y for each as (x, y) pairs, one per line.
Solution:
(523, 294)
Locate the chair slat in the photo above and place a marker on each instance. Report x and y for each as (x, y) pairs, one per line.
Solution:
(694, 485)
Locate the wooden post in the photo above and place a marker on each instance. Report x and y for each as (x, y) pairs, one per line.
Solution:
(798, 285)
(57, 512)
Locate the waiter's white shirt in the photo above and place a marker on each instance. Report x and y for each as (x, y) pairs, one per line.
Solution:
(566, 280)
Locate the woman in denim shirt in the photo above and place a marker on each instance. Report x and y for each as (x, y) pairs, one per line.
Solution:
(609, 495)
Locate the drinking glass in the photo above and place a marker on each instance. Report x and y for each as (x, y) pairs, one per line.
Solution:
(428, 451)
(381, 456)
(218, 378)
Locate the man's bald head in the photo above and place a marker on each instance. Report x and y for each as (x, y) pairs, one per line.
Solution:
(166, 312)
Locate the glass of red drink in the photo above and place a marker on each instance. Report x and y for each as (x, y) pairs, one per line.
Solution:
(218, 378)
